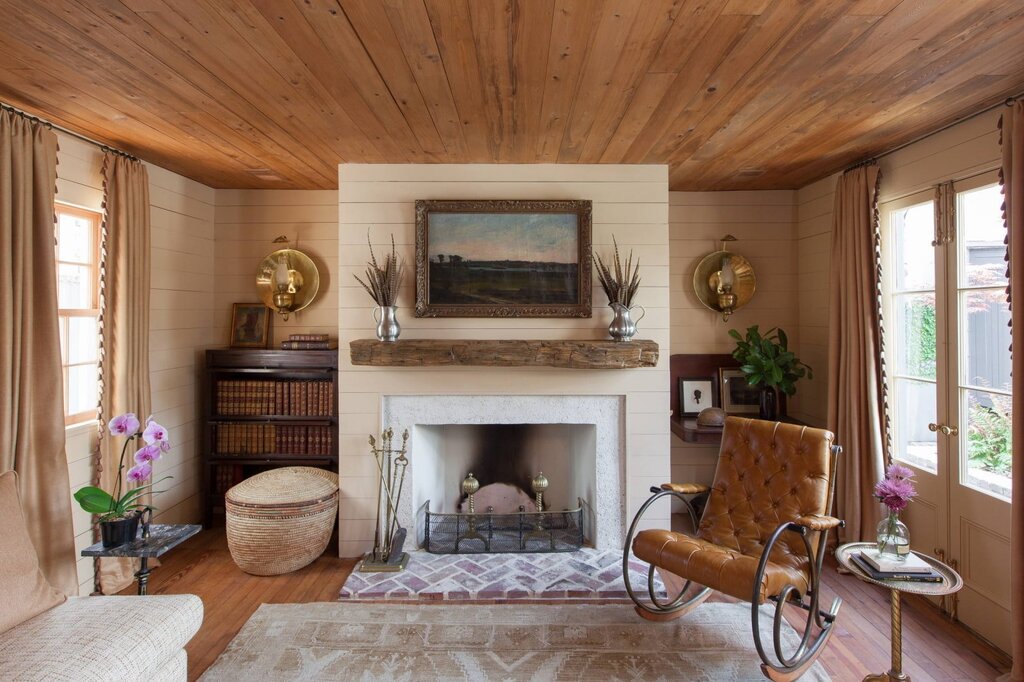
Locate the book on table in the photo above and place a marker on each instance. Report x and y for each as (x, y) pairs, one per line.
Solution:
(930, 577)
(909, 563)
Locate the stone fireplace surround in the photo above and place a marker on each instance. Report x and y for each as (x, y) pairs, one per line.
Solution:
(606, 521)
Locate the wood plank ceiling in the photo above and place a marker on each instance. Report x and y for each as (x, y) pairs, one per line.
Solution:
(732, 94)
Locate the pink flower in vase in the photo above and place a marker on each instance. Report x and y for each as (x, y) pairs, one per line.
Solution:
(126, 424)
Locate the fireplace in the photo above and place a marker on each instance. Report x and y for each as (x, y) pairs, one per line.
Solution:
(505, 441)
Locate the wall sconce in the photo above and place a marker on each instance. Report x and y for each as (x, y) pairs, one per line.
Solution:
(287, 280)
(724, 281)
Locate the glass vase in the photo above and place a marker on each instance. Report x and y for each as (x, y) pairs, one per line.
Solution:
(893, 537)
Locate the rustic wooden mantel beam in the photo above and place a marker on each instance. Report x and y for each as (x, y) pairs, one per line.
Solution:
(508, 353)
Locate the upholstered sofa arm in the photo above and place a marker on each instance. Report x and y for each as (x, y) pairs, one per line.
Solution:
(817, 522)
(685, 488)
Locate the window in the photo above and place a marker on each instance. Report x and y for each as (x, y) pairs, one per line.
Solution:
(947, 335)
(984, 388)
(78, 245)
(912, 314)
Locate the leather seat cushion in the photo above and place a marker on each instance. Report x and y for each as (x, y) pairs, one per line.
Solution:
(719, 568)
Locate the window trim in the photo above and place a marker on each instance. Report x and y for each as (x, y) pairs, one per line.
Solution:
(96, 217)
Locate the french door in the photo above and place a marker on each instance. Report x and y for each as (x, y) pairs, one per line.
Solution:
(948, 368)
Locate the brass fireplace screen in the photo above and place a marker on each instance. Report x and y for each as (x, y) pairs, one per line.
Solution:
(485, 533)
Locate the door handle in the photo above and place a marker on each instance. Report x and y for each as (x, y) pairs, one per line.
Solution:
(944, 430)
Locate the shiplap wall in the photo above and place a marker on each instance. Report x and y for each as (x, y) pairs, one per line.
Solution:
(763, 223)
(630, 202)
(959, 152)
(181, 327)
(247, 222)
(813, 248)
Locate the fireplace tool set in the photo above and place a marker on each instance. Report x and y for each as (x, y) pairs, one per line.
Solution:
(389, 536)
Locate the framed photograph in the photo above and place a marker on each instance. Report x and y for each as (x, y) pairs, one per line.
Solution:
(509, 258)
(738, 397)
(250, 325)
(696, 393)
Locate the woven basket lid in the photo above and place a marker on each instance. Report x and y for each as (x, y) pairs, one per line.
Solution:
(289, 485)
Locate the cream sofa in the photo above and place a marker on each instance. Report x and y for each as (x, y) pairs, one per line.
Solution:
(88, 639)
(48, 637)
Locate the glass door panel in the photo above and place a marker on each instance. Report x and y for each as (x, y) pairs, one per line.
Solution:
(911, 332)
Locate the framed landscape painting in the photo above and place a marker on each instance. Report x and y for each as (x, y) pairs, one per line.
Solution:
(507, 258)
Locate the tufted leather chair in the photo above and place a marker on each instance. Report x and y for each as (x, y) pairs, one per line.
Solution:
(768, 473)
(761, 535)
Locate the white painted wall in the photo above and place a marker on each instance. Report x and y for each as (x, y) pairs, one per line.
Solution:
(247, 222)
(763, 223)
(630, 202)
(181, 327)
(958, 152)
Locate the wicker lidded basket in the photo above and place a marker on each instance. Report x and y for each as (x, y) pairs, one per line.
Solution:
(281, 520)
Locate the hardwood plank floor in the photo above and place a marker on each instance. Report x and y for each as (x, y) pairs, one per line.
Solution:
(933, 647)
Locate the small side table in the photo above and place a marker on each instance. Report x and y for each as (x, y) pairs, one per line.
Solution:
(951, 582)
(163, 537)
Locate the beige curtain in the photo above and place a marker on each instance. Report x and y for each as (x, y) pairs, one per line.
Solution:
(124, 369)
(1012, 176)
(31, 377)
(856, 395)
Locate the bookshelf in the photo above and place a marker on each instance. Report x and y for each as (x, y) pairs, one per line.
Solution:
(264, 409)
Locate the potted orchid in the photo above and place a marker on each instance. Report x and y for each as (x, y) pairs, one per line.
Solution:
(895, 491)
(119, 513)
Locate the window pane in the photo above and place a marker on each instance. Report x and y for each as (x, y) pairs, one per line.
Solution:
(982, 236)
(915, 409)
(75, 239)
(62, 324)
(913, 229)
(988, 441)
(82, 392)
(84, 343)
(74, 286)
(986, 339)
(915, 335)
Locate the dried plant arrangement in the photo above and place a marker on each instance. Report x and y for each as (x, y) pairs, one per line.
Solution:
(382, 283)
(622, 283)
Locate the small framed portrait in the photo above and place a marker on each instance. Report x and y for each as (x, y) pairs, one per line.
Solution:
(696, 393)
(738, 397)
(250, 325)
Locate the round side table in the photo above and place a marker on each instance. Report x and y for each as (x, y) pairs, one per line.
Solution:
(951, 582)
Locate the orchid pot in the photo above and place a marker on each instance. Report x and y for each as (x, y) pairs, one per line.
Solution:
(117, 532)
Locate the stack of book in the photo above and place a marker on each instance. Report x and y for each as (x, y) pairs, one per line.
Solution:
(308, 342)
(882, 567)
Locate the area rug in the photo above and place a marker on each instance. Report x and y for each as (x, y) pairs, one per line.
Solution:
(587, 574)
(403, 642)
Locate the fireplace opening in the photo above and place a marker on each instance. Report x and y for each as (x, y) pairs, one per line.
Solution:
(504, 460)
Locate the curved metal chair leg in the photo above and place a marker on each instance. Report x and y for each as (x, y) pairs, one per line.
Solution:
(789, 667)
(658, 610)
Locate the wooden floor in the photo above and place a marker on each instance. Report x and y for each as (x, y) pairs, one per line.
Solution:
(933, 648)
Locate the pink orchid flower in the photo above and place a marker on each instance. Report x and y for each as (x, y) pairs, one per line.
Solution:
(126, 424)
(148, 453)
(140, 472)
(154, 433)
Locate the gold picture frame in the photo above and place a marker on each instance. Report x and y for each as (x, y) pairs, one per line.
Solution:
(737, 396)
(250, 325)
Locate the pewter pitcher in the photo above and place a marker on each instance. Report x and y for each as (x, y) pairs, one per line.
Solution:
(623, 326)
(388, 328)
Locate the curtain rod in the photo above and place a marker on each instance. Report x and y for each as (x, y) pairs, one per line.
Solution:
(71, 133)
(1008, 102)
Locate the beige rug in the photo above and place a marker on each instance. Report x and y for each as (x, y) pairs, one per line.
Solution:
(331, 641)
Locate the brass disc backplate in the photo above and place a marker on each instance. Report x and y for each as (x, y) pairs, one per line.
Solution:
(303, 272)
(705, 279)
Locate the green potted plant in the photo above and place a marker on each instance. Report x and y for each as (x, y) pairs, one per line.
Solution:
(767, 362)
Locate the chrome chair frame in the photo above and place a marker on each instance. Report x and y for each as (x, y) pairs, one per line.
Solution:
(782, 667)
